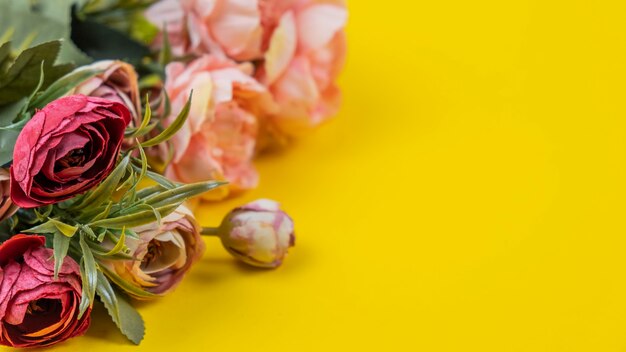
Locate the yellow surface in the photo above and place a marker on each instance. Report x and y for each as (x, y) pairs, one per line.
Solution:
(469, 197)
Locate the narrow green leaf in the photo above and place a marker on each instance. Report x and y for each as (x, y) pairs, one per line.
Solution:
(90, 277)
(63, 85)
(181, 193)
(137, 132)
(165, 56)
(119, 246)
(138, 218)
(53, 226)
(61, 244)
(173, 128)
(104, 191)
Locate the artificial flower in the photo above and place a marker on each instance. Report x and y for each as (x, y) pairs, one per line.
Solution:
(67, 148)
(117, 82)
(217, 141)
(258, 233)
(37, 309)
(162, 254)
(7, 208)
(305, 49)
(229, 28)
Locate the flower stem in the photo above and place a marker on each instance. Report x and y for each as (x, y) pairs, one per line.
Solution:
(210, 231)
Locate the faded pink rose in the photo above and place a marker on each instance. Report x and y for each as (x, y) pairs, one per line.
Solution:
(117, 82)
(305, 49)
(7, 208)
(217, 141)
(37, 309)
(163, 254)
(221, 27)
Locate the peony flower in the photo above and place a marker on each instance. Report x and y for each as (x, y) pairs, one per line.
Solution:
(117, 82)
(305, 49)
(217, 141)
(258, 233)
(229, 28)
(35, 308)
(163, 254)
(67, 148)
(299, 47)
(7, 208)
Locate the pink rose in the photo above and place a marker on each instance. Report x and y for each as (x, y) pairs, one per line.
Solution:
(305, 49)
(67, 148)
(35, 308)
(258, 233)
(217, 141)
(163, 254)
(7, 208)
(221, 27)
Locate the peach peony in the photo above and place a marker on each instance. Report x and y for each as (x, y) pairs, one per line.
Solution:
(305, 48)
(299, 48)
(222, 27)
(217, 141)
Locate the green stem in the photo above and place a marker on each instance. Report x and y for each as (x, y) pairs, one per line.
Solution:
(210, 231)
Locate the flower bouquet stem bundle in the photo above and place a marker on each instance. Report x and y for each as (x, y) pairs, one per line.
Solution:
(113, 114)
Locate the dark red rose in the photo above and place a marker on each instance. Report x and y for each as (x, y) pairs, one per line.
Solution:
(67, 148)
(35, 308)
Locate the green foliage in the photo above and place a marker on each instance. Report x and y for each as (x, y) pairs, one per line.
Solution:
(122, 313)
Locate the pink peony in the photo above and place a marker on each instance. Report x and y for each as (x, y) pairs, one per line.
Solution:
(299, 46)
(305, 48)
(222, 27)
(218, 140)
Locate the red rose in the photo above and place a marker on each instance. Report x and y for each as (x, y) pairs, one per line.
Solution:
(36, 309)
(67, 148)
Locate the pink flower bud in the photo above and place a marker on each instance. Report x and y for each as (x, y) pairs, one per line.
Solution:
(258, 233)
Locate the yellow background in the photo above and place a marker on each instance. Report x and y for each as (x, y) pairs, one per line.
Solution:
(468, 197)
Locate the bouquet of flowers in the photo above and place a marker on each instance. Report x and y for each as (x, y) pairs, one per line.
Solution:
(114, 113)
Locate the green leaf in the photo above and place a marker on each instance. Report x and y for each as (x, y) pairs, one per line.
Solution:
(23, 75)
(8, 113)
(173, 128)
(54, 226)
(89, 273)
(120, 245)
(60, 244)
(138, 218)
(165, 56)
(181, 193)
(123, 314)
(63, 85)
(48, 20)
(105, 190)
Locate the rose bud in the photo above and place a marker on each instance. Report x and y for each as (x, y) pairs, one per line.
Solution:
(163, 254)
(258, 233)
(117, 82)
(35, 308)
(7, 208)
(66, 149)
